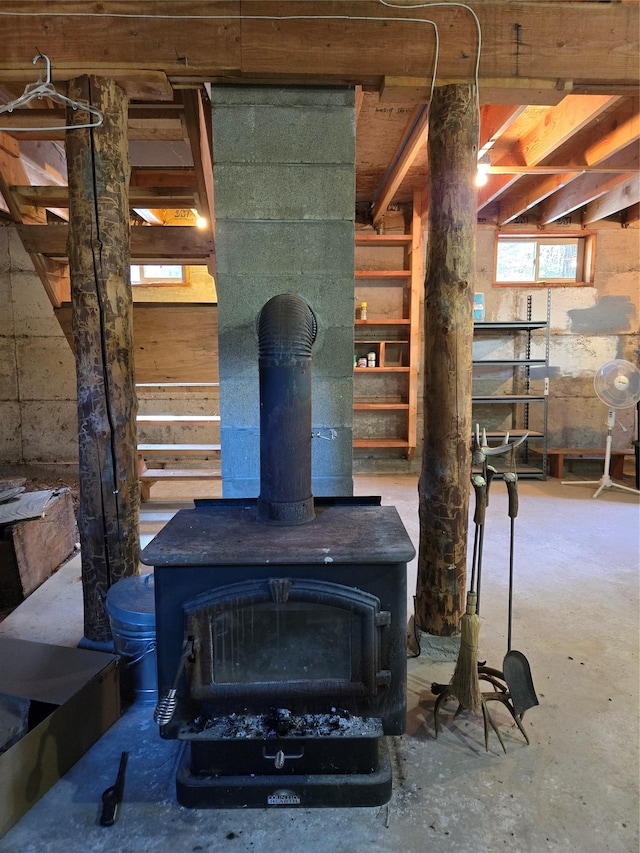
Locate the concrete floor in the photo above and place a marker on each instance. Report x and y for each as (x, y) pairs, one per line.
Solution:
(575, 788)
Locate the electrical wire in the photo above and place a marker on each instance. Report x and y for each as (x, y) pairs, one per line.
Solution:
(476, 74)
(362, 18)
(242, 17)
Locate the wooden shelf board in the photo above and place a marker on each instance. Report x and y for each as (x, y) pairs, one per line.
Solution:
(383, 239)
(362, 342)
(178, 419)
(381, 369)
(179, 449)
(380, 442)
(383, 274)
(156, 474)
(379, 406)
(177, 384)
(383, 322)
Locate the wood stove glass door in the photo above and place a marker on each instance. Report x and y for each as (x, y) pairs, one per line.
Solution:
(277, 634)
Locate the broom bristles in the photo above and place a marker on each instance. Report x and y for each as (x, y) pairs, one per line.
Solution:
(465, 684)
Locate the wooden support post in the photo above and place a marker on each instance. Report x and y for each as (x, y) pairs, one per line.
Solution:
(446, 463)
(98, 249)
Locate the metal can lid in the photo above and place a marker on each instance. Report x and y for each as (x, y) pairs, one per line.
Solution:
(133, 596)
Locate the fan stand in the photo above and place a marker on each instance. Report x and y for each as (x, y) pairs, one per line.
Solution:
(605, 482)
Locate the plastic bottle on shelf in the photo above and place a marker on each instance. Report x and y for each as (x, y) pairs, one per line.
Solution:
(363, 310)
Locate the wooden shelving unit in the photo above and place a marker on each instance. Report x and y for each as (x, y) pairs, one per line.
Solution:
(386, 396)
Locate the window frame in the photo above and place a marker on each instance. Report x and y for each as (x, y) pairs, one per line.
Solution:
(586, 256)
(158, 281)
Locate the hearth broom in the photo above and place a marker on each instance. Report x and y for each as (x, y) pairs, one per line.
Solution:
(465, 684)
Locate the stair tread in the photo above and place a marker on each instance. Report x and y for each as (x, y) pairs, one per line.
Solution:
(180, 474)
(169, 419)
(178, 448)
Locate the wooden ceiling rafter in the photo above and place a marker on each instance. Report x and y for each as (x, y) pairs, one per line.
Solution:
(176, 244)
(615, 133)
(54, 277)
(553, 149)
(413, 139)
(543, 137)
(158, 122)
(626, 194)
(198, 122)
(194, 42)
(586, 188)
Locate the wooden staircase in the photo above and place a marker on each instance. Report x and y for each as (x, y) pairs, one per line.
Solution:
(160, 457)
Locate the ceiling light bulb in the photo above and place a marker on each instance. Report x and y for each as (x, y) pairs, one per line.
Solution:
(201, 222)
(482, 175)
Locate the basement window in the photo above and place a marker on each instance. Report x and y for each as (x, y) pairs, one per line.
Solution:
(544, 261)
(149, 275)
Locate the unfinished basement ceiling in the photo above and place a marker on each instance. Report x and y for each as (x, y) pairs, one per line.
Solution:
(559, 146)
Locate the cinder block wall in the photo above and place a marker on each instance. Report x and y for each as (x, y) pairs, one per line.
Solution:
(284, 172)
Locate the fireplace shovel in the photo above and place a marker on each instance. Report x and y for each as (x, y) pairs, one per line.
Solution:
(515, 667)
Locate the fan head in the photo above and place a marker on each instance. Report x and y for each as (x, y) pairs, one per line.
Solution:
(617, 384)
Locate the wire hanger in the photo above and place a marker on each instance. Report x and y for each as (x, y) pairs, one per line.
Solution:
(43, 88)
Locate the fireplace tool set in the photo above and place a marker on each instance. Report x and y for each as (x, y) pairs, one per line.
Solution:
(512, 686)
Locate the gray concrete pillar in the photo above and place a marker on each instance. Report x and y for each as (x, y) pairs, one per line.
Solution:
(284, 178)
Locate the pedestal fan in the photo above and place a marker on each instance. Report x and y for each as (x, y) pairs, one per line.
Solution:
(617, 384)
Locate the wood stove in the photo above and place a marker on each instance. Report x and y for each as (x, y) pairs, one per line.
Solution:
(280, 621)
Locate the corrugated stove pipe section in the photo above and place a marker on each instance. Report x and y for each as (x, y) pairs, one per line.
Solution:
(286, 332)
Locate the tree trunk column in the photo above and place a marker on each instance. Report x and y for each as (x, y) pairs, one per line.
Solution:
(98, 249)
(446, 463)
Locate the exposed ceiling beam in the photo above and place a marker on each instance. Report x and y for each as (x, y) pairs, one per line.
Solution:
(631, 215)
(626, 194)
(198, 128)
(171, 243)
(222, 41)
(584, 190)
(494, 121)
(139, 197)
(156, 176)
(549, 133)
(12, 172)
(139, 84)
(512, 91)
(612, 135)
(413, 139)
(37, 124)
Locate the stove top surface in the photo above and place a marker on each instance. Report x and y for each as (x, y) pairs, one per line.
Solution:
(227, 532)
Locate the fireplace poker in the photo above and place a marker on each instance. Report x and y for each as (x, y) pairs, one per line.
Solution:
(113, 796)
(165, 709)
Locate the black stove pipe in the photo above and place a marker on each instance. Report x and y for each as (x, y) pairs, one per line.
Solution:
(286, 332)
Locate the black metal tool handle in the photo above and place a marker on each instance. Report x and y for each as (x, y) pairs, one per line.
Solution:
(113, 796)
(511, 480)
(489, 473)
